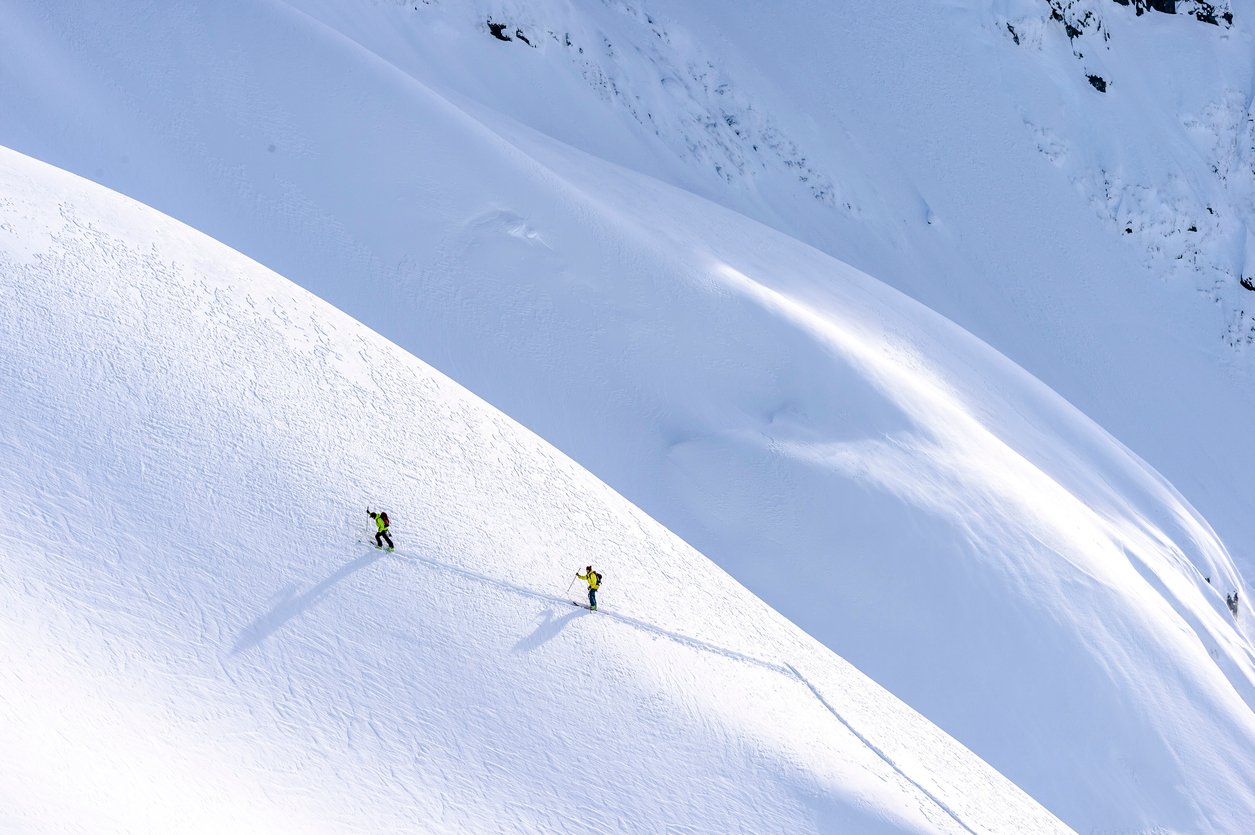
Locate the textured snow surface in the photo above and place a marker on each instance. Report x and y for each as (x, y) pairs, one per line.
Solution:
(196, 639)
(525, 219)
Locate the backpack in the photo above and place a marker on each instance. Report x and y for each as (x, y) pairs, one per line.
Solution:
(384, 517)
(598, 573)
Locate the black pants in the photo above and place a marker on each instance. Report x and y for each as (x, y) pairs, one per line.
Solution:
(381, 536)
(592, 598)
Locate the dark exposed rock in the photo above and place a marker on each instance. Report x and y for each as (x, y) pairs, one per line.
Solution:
(1200, 9)
(1100, 83)
(497, 30)
(1074, 23)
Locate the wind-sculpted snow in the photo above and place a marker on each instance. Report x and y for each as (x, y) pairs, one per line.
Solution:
(908, 496)
(197, 638)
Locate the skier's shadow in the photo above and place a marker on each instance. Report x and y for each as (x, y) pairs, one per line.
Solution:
(291, 604)
(547, 630)
(550, 627)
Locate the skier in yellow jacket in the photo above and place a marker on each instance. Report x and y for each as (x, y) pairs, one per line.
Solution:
(594, 581)
(381, 522)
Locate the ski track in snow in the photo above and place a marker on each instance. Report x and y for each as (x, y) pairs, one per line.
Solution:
(287, 609)
(837, 714)
(758, 398)
(189, 451)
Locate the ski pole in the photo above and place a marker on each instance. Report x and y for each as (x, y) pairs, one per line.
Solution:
(568, 588)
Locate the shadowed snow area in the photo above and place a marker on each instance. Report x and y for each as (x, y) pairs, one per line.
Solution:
(656, 236)
(196, 637)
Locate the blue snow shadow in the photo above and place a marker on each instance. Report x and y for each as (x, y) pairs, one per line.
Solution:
(293, 604)
(551, 626)
(290, 605)
(548, 629)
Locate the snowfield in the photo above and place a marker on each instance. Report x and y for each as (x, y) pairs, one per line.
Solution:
(197, 639)
(844, 299)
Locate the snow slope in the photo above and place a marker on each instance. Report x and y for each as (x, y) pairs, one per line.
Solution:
(1096, 239)
(956, 151)
(194, 640)
(902, 492)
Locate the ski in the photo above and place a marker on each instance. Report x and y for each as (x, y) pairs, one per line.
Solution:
(584, 606)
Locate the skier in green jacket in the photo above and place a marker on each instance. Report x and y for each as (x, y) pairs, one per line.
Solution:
(381, 522)
(594, 582)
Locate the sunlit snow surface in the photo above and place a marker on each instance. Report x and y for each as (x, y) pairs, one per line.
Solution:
(196, 637)
(912, 499)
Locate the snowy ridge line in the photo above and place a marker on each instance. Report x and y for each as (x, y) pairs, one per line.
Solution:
(793, 672)
(152, 374)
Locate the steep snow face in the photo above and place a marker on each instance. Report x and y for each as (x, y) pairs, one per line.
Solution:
(777, 111)
(196, 637)
(960, 152)
(1166, 155)
(905, 494)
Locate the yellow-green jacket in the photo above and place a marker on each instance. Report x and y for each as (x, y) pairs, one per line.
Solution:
(591, 577)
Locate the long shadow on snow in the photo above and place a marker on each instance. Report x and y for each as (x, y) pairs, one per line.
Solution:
(550, 627)
(291, 606)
